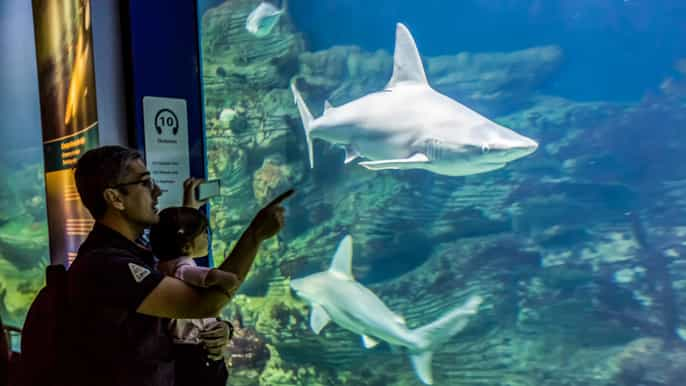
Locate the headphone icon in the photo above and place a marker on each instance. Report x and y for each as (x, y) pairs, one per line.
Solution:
(165, 119)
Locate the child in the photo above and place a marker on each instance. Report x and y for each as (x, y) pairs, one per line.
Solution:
(181, 235)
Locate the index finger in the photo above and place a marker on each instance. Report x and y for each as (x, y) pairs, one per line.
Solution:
(281, 197)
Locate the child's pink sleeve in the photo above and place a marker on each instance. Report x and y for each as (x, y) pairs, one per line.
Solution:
(192, 274)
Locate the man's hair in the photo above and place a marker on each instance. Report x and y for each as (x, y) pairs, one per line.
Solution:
(99, 169)
(177, 227)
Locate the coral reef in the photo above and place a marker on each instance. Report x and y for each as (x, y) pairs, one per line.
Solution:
(646, 361)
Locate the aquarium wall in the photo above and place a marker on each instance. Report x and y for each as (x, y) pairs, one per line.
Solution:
(503, 205)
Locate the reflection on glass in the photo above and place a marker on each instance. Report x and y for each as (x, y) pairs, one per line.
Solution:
(23, 222)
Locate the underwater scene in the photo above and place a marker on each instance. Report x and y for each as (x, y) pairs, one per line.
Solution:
(488, 192)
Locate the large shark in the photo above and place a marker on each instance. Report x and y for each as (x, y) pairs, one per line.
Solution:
(409, 125)
(335, 295)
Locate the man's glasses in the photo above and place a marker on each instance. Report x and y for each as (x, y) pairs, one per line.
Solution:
(147, 183)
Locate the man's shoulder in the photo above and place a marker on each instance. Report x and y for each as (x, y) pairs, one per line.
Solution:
(108, 251)
(105, 260)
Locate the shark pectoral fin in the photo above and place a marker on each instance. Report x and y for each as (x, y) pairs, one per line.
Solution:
(319, 318)
(412, 162)
(407, 64)
(350, 154)
(369, 342)
(422, 366)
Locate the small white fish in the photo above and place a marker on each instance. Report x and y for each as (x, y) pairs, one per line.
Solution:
(262, 19)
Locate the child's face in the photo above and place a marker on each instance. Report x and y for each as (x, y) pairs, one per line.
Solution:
(199, 246)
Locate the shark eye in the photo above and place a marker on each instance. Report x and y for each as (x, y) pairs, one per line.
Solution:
(485, 148)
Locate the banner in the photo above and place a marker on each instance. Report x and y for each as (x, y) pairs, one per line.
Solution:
(66, 82)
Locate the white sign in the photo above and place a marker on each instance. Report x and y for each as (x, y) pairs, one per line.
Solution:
(166, 146)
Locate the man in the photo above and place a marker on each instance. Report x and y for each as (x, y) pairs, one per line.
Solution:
(119, 302)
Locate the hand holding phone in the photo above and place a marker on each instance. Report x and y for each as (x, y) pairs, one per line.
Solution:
(197, 191)
(207, 189)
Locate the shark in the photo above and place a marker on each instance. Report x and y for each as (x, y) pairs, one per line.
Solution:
(334, 295)
(264, 18)
(409, 125)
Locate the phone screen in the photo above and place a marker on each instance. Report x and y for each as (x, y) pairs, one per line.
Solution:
(207, 190)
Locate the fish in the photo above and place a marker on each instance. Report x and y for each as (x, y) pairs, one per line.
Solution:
(334, 295)
(409, 125)
(264, 18)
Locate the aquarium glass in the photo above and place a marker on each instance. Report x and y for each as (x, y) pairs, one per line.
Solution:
(23, 224)
(488, 192)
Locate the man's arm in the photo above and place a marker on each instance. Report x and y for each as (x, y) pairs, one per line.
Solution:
(172, 298)
(241, 258)
(227, 281)
(266, 224)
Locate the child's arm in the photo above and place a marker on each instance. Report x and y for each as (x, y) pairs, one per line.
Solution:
(225, 280)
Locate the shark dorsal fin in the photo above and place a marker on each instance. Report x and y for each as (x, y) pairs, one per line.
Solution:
(369, 342)
(327, 105)
(407, 64)
(342, 259)
(319, 318)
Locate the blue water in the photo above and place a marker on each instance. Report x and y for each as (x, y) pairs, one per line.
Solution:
(613, 49)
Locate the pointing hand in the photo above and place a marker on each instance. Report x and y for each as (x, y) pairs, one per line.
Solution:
(270, 219)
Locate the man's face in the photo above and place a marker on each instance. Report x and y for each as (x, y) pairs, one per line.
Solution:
(140, 200)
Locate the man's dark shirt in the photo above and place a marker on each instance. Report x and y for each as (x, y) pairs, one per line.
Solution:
(112, 343)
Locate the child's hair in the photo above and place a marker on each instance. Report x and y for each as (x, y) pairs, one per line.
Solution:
(177, 227)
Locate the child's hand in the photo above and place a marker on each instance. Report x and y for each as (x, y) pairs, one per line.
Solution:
(215, 338)
(227, 281)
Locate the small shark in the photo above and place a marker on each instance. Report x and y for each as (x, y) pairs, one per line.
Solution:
(335, 295)
(262, 19)
(409, 125)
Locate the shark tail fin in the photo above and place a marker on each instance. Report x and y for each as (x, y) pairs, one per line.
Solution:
(436, 333)
(306, 117)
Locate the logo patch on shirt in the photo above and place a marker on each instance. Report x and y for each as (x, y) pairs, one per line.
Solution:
(139, 273)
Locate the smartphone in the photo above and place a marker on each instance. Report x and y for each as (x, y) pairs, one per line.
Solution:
(207, 189)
